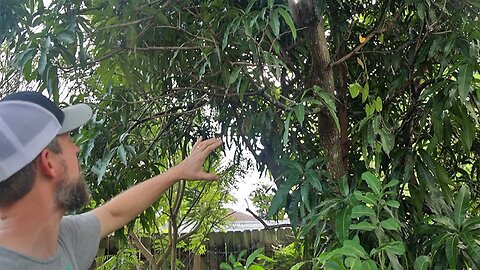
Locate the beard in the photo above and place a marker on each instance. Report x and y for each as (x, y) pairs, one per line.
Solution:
(71, 194)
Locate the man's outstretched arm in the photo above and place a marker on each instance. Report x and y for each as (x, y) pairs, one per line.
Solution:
(130, 203)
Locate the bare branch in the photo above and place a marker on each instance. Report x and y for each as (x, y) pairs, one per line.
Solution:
(108, 27)
(265, 224)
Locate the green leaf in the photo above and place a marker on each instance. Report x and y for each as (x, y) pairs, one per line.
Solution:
(42, 63)
(83, 57)
(355, 89)
(378, 104)
(464, 79)
(132, 36)
(356, 247)
(395, 247)
(422, 263)
(101, 165)
(161, 18)
(369, 265)
(251, 258)
(362, 210)
(300, 113)
(313, 179)
(297, 266)
(342, 223)
(275, 23)
(390, 224)
(473, 249)
(365, 92)
(372, 182)
(122, 154)
(368, 198)
(363, 226)
(305, 193)
(471, 224)
(332, 108)
(393, 203)
(66, 37)
(286, 129)
(225, 266)
(390, 184)
(467, 134)
(451, 250)
(288, 20)
(343, 186)
(421, 10)
(369, 109)
(445, 221)
(388, 141)
(255, 267)
(462, 203)
(279, 199)
(314, 161)
(234, 75)
(270, 3)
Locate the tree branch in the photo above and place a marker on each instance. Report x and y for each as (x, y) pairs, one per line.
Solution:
(108, 27)
(145, 252)
(168, 48)
(265, 224)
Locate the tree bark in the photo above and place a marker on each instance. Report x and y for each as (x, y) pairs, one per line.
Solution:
(321, 74)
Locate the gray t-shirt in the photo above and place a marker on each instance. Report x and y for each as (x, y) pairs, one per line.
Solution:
(77, 246)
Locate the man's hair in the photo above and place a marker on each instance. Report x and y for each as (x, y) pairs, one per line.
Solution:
(21, 183)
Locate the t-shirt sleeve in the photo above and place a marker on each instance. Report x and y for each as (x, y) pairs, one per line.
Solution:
(83, 233)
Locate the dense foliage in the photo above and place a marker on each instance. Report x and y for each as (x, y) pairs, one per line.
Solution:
(364, 113)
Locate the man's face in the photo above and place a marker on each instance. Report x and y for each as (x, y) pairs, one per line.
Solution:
(71, 194)
(72, 191)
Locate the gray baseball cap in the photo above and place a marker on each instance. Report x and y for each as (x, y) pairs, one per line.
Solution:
(29, 121)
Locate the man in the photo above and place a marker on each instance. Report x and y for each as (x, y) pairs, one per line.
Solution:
(40, 180)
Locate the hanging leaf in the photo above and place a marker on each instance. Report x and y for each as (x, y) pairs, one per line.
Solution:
(342, 224)
(300, 113)
(451, 250)
(388, 141)
(355, 89)
(275, 23)
(122, 154)
(464, 79)
(288, 20)
(365, 92)
(462, 203)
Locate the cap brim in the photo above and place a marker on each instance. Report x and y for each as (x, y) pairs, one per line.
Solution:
(75, 117)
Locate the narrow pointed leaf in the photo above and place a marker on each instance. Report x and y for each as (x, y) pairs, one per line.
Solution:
(372, 182)
(464, 79)
(461, 205)
(451, 250)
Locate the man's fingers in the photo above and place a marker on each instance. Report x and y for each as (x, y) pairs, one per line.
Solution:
(209, 144)
(199, 140)
(210, 176)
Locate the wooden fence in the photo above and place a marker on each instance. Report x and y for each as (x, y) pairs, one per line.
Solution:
(219, 246)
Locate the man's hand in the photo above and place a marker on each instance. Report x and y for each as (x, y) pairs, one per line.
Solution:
(191, 168)
(126, 206)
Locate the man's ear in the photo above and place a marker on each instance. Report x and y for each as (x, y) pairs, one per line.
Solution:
(46, 163)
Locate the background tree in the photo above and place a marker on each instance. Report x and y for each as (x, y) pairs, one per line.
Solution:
(318, 91)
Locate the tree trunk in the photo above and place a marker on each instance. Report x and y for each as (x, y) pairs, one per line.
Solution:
(321, 74)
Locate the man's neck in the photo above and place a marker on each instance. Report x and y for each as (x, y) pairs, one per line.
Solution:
(31, 226)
